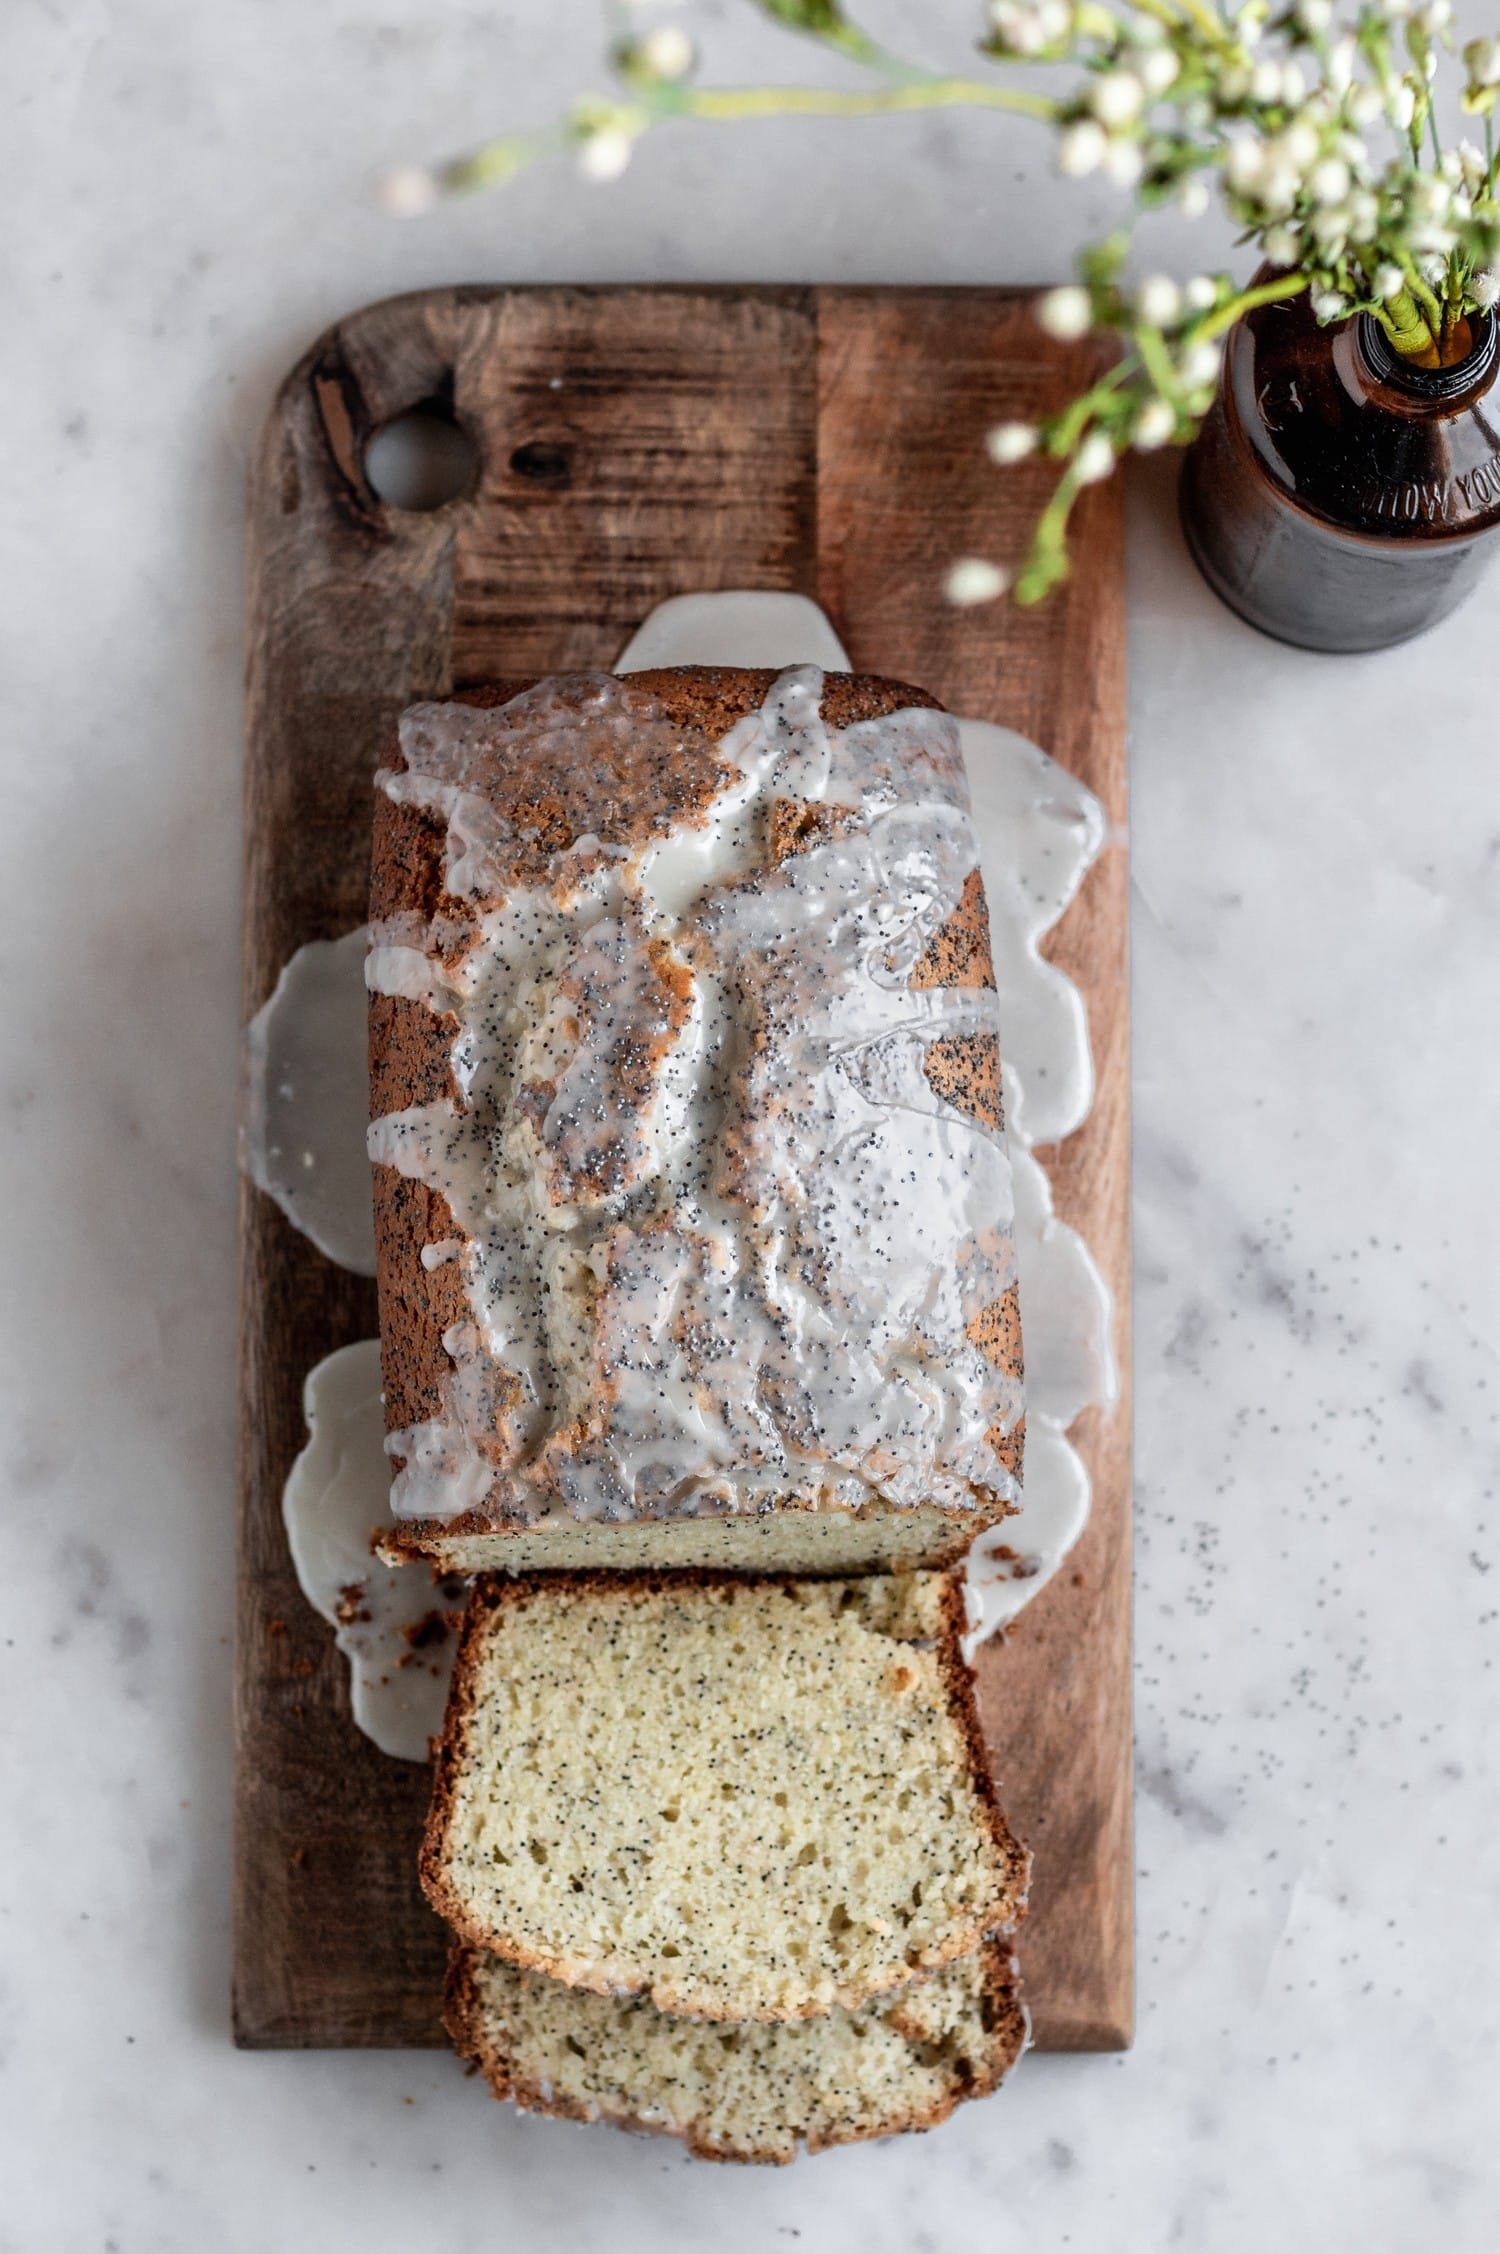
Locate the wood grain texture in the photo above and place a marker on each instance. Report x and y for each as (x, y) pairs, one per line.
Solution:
(909, 382)
(634, 444)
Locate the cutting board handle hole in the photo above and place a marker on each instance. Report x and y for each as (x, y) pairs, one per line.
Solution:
(423, 459)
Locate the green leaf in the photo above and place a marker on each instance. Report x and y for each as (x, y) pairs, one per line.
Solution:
(1100, 263)
(824, 20)
(820, 19)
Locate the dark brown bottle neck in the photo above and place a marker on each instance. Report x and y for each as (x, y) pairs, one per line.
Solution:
(1406, 388)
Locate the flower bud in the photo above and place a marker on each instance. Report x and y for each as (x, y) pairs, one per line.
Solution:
(972, 581)
(667, 52)
(1482, 61)
(1124, 162)
(1095, 459)
(1364, 216)
(1200, 364)
(605, 154)
(1329, 181)
(1155, 425)
(1472, 163)
(1245, 166)
(1118, 98)
(1065, 313)
(407, 190)
(1158, 301)
(1081, 148)
(1018, 28)
(1300, 145)
(1010, 442)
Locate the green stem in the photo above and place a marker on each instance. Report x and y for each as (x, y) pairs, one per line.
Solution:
(1264, 293)
(1404, 323)
(1172, 14)
(1211, 25)
(1165, 13)
(1065, 430)
(1453, 308)
(1425, 296)
(1156, 360)
(498, 161)
(1047, 562)
(808, 101)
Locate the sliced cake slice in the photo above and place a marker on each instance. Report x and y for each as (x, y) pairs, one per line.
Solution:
(742, 1799)
(752, 2091)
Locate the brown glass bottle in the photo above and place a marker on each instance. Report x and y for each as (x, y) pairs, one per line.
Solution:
(1336, 496)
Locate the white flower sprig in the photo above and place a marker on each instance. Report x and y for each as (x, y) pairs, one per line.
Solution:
(1317, 132)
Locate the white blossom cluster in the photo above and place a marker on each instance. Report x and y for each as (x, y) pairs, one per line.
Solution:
(1318, 135)
(1285, 118)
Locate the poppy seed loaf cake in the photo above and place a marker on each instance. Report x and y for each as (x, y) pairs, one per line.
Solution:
(692, 1201)
(753, 2091)
(741, 1799)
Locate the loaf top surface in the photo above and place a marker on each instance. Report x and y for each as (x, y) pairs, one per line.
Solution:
(684, 1020)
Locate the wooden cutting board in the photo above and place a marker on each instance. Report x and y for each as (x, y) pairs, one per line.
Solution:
(636, 443)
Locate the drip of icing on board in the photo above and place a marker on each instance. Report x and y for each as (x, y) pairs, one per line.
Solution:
(306, 1099)
(396, 1625)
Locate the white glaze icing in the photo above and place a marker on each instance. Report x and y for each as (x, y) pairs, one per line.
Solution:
(305, 1099)
(693, 1116)
(1038, 832)
(743, 627)
(394, 1624)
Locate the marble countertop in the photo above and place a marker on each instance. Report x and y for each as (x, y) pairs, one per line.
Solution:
(1316, 925)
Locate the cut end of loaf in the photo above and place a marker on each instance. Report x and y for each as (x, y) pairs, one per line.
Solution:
(787, 1540)
(751, 1800)
(757, 2092)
